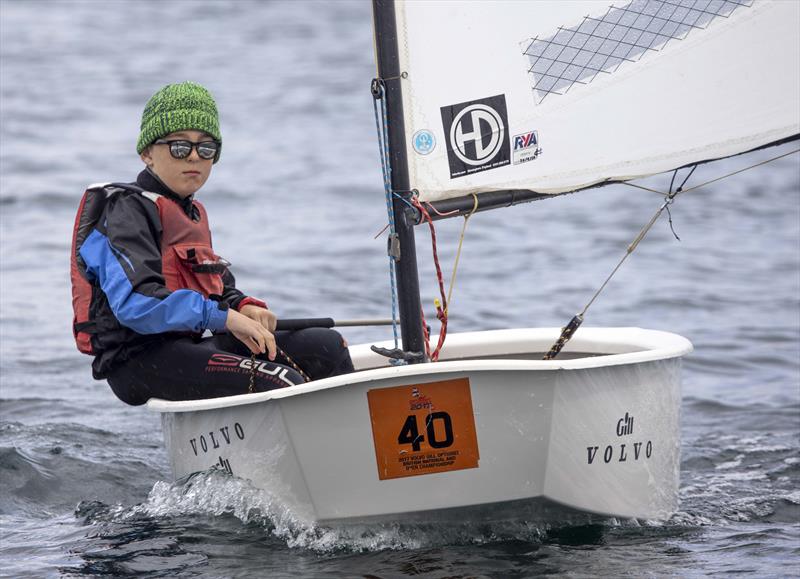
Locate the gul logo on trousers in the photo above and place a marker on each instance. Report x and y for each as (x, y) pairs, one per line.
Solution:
(237, 363)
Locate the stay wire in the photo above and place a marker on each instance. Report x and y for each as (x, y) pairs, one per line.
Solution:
(681, 191)
(739, 171)
(383, 148)
(569, 330)
(573, 325)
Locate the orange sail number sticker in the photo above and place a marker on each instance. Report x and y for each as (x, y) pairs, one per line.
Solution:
(423, 428)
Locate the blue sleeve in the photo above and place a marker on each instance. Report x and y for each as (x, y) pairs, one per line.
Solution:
(134, 286)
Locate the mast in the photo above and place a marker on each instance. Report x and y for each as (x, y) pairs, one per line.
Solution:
(406, 266)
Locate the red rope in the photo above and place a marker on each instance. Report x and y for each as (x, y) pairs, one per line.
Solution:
(439, 213)
(441, 308)
(425, 334)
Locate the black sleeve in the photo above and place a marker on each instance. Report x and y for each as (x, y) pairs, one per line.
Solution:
(231, 295)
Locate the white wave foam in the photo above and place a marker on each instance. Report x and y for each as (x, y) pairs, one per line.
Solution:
(216, 493)
(793, 497)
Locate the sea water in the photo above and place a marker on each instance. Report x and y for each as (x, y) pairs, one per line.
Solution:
(296, 202)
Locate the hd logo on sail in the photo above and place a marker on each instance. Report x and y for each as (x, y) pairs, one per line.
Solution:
(477, 135)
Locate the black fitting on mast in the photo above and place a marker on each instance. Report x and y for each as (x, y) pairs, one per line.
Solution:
(375, 88)
(406, 267)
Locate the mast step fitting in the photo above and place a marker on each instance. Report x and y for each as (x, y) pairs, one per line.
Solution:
(398, 355)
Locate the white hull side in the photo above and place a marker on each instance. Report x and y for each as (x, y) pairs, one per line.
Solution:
(554, 430)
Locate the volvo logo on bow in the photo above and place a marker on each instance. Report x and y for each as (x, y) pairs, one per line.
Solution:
(477, 135)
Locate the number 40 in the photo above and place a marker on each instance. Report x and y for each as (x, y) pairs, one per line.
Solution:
(409, 434)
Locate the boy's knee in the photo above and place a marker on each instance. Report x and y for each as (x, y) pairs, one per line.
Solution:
(325, 352)
(271, 376)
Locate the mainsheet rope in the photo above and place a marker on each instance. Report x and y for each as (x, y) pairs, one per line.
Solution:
(254, 366)
(441, 307)
(569, 330)
(458, 251)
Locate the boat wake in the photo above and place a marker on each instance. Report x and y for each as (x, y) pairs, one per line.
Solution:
(217, 499)
(727, 480)
(221, 499)
(216, 493)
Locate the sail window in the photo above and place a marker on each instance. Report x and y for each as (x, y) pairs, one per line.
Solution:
(578, 53)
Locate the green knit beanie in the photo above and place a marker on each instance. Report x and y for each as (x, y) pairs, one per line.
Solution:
(178, 107)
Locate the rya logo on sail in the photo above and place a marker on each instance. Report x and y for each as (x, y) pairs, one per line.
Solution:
(526, 147)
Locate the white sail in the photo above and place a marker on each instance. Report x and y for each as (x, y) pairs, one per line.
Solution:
(557, 96)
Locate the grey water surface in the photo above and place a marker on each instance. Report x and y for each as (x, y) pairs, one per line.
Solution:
(295, 203)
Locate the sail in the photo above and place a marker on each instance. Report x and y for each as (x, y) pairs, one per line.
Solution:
(558, 96)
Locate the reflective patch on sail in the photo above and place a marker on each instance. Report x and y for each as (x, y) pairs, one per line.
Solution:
(577, 54)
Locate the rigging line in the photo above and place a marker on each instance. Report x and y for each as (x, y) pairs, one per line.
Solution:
(403, 75)
(379, 94)
(441, 307)
(458, 253)
(439, 213)
(671, 197)
(294, 365)
(680, 187)
(739, 171)
(390, 208)
(672, 225)
(251, 388)
(631, 248)
(377, 235)
(404, 200)
(573, 325)
(401, 198)
(672, 181)
(649, 189)
(681, 192)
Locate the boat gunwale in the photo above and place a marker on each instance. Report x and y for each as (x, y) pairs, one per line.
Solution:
(652, 345)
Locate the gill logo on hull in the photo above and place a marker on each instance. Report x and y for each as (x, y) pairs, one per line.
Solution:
(623, 451)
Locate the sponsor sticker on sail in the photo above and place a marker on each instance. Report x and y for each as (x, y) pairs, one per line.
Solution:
(423, 428)
(423, 142)
(477, 135)
(525, 147)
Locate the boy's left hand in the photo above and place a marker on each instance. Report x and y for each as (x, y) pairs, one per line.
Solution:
(264, 317)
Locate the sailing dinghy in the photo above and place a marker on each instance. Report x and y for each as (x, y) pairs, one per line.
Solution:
(485, 105)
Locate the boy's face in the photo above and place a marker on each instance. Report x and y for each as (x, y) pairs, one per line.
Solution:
(183, 176)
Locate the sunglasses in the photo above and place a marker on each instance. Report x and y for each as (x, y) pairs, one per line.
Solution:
(180, 149)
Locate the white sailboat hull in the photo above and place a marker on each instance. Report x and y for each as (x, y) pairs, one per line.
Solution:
(598, 433)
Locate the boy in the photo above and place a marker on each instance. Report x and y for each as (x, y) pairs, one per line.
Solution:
(156, 284)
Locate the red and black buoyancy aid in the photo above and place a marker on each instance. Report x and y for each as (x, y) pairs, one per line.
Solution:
(187, 258)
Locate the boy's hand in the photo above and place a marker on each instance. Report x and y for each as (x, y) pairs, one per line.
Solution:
(251, 333)
(264, 317)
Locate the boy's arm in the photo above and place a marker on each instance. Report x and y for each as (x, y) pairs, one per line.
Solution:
(233, 297)
(123, 255)
(253, 308)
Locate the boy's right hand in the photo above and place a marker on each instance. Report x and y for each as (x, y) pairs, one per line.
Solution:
(251, 333)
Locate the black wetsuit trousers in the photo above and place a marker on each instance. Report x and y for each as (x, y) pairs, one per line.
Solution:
(187, 368)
